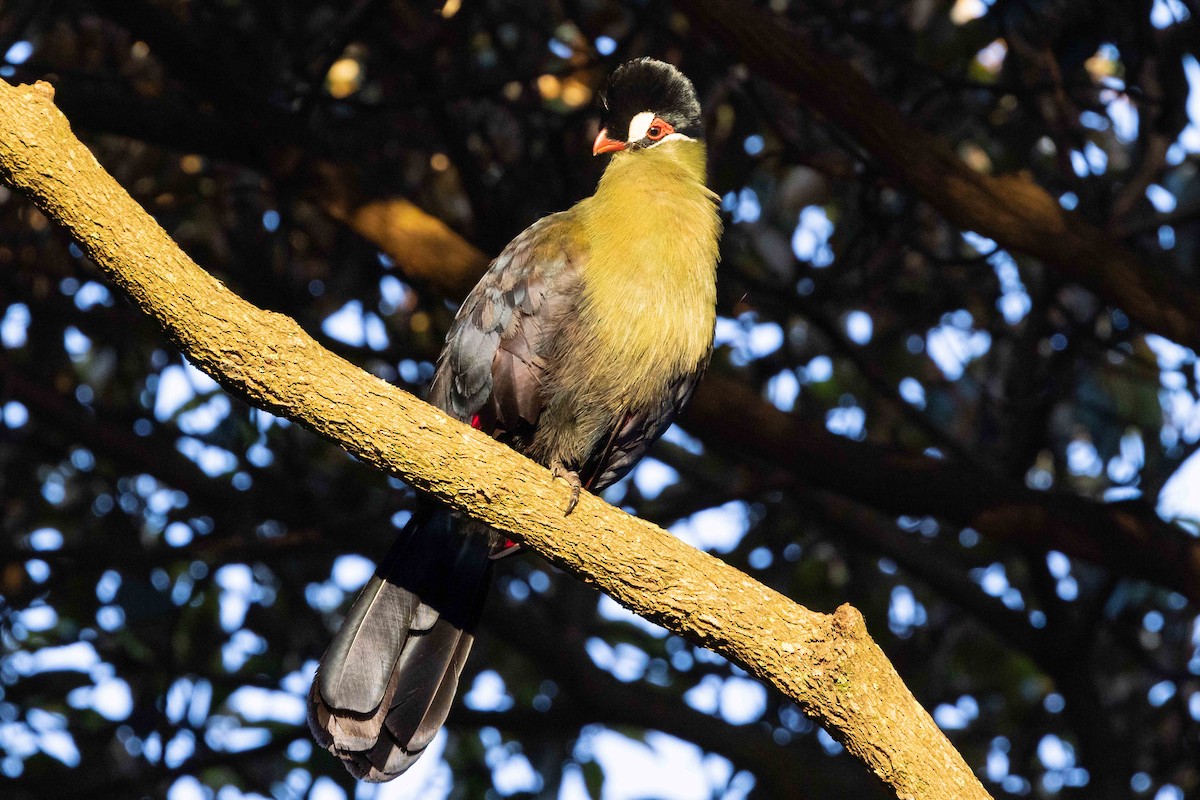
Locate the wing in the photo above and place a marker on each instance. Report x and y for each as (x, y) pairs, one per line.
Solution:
(640, 429)
(491, 370)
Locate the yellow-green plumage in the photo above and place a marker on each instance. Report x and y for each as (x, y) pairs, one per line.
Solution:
(647, 305)
(649, 288)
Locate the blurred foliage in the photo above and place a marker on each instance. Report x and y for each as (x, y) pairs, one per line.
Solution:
(173, 562)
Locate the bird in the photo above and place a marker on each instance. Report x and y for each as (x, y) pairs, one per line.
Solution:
(578, 347)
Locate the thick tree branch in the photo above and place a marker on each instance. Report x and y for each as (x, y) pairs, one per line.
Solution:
(827, 663)
(1011, 209)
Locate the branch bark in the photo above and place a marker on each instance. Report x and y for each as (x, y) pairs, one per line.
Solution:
(827, 663)
(1011, 209)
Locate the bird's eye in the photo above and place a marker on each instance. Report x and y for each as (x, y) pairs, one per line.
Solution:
(658, 130)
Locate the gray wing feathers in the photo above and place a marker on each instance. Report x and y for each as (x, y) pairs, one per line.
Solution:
(470, 366)
(494, 358)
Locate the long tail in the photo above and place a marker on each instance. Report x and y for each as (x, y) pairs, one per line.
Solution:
(386, 683)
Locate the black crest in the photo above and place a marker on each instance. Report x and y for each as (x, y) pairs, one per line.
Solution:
(646, 84)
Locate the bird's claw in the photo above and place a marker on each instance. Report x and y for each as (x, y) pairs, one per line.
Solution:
(557, 470)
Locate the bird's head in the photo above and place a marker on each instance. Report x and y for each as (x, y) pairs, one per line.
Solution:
(647, 102)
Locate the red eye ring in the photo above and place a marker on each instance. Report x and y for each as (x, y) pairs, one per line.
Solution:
(658, 130)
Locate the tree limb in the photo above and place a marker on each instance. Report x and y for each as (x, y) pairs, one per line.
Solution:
(827, 663)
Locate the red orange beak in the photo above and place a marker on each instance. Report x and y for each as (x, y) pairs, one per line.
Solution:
(603, 144)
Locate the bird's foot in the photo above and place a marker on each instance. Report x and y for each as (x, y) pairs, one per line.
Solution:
(558, 470)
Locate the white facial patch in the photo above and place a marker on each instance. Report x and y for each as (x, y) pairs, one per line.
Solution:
(639, 125)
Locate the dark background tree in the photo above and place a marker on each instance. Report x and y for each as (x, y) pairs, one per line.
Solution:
(977, 441)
